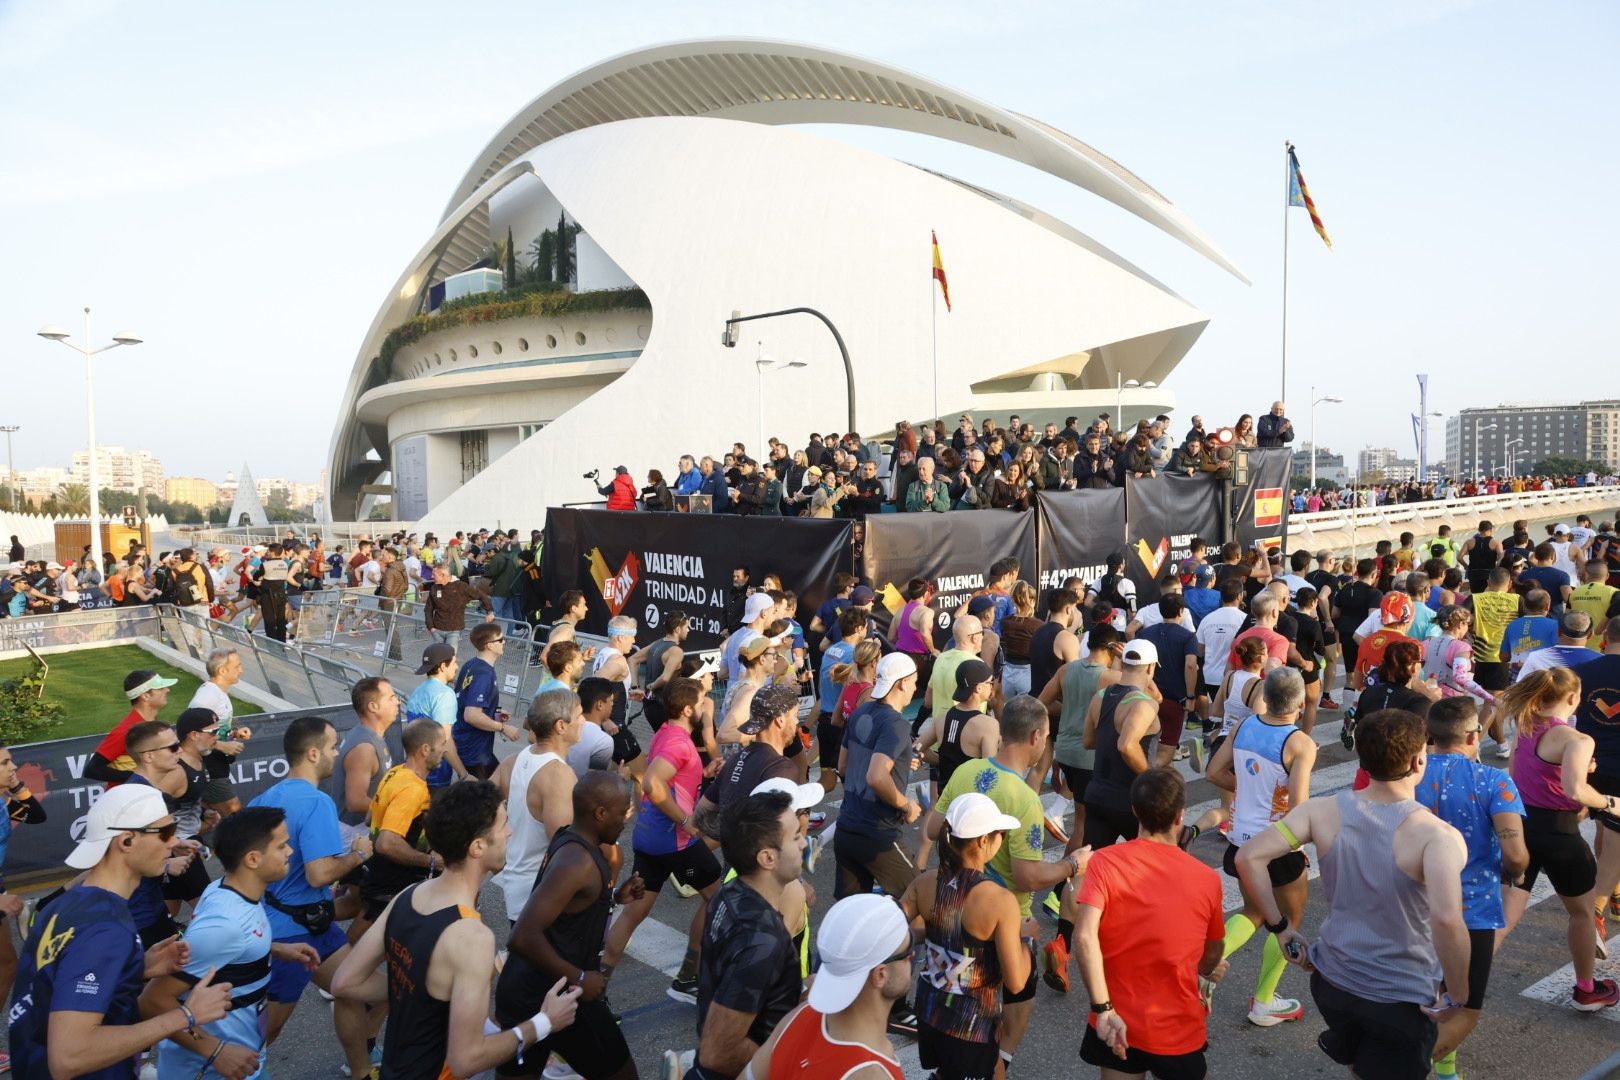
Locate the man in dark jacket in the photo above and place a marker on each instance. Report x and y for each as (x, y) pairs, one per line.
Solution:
(1135, 460)
(1094, 465)
(751, 488)
(1056, 469)
(903, 471)
(714, 485)
(1274, 429)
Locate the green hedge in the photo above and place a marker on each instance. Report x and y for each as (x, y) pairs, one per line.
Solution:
(469, 310)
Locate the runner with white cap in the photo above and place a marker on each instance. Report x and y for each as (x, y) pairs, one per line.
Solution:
(972, 947)
(876, 762)
(1121, 723)
(74, 1005)
(148, 693)
(840, 1032)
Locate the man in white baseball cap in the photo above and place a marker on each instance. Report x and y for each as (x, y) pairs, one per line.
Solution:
(757, 614)
(82, 969)
(1125, 718)
(865, 945)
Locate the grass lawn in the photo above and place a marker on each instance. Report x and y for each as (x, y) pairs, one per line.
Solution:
(89, 686)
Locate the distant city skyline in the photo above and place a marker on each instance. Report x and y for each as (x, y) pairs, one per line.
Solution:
(248, 232)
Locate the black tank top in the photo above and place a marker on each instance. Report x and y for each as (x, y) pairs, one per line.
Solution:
(951, 754)
(1111, 777)
(577, 937)
(1043, 662)
(418, 1035)
(1480, 556)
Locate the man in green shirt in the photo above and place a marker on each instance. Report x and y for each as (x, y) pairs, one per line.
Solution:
(1017, 865)
(967, 632)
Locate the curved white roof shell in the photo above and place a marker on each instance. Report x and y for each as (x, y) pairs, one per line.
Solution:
(670, 160)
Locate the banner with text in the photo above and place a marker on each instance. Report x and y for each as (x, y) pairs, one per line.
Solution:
(1079, 530)
(1163, 515)
(647, 566)
(1260, 506)
(951, 550)
(54, 773)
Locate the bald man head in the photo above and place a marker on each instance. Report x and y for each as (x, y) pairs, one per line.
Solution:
(601, 804)
(965, 632)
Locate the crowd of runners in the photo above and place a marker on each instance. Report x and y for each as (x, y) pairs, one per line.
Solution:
(193, 923)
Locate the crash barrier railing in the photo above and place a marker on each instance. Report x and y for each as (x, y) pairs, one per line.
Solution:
(1505, 505)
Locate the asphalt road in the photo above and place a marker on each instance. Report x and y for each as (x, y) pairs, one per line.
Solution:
(1521, 1035)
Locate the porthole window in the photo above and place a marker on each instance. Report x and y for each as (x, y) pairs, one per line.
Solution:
(579, 337)
(472, 352)
(642, 331)
(551, 341)
(497, 347)
(438, 360)
(452, 356)
(523, 344)
(611, 334)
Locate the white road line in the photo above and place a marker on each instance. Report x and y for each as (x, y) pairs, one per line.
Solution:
(658, 946)
(1555, 988)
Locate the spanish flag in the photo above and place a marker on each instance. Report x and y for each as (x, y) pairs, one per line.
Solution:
(1298, 195)
(939, 272)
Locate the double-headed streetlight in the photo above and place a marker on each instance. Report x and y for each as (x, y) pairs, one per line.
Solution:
(1478, 427)
(1122, 384)
(56, 333)
(761, 364)
(1327, 399)
(1512, 455)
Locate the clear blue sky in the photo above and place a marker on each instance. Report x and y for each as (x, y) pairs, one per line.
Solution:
(242, 183)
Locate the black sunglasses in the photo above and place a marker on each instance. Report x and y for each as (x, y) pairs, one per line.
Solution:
(172, 746)
(162, 832)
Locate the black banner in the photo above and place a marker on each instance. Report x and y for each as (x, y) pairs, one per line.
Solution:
(951, 550)
(647, 565)
(1260, 505)
(1163, 515)
(1079, 530)
(54, 772)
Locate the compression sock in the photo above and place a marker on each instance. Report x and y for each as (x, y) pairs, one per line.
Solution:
(688, 970)
(1272, 964)
(1065, 931)
(1584, 985)
(1446, 1067)
(1238, 932)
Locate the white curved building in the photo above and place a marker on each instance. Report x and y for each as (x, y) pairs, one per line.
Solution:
(678, 168)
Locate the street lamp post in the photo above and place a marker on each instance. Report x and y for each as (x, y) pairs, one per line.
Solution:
(1327, 399)
(56, 333)
(728, 338)
(1121, 384)
(1478, 427)
(11, 470)
(1507, 449)
(761, 362)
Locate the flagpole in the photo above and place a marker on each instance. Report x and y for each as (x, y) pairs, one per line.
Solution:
(933, 326)
(1288, 188)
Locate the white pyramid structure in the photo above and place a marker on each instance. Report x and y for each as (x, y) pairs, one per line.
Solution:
(246, 504)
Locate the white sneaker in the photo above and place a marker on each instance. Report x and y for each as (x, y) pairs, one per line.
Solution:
(558, 1069)
(1504, 750)
(1274, 1012)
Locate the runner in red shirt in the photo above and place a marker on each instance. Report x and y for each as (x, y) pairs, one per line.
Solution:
(1150, 926)
(147, 692)
(1396, 610)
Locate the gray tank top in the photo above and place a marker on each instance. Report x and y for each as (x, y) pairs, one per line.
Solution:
(653, 665)
(1079, 687)
(1376, 942)
(356, 735)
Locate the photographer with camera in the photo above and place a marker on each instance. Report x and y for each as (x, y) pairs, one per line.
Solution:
(620, 491)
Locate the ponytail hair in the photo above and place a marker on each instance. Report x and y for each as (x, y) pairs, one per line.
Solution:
(1532, 697)
(867, 653)
(950, 851)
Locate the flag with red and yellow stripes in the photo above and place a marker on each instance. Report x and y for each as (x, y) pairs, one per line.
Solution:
(1300, 195)
(939, 272)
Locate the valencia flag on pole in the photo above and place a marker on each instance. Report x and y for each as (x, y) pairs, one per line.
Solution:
(1300, 195)
(939, 272)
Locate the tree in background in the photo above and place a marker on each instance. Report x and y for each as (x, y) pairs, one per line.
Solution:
(511, 261)
(1564, 466)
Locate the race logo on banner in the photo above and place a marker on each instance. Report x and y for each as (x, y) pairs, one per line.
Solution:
(649, 566)
(952, 551)
(1164, 515)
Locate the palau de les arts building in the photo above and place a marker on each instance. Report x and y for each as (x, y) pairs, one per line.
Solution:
(665, 189)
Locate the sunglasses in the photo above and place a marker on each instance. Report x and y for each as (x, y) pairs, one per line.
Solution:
(162, 832)
(175, 747)
(912, 937)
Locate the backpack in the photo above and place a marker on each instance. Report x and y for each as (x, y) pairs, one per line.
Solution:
(179, 587)
(1107, 588)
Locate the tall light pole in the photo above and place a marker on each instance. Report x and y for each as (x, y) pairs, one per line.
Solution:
(1479, 427)
(761, 362)
(1121, 384)
(1328, 399)
(11, 470)
(1507, 449)
(56, 333)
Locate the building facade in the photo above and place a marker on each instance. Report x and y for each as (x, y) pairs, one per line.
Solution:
(665, 171)
(1329, 466)
(191, 489)
(1514, 438)
(137, 471)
